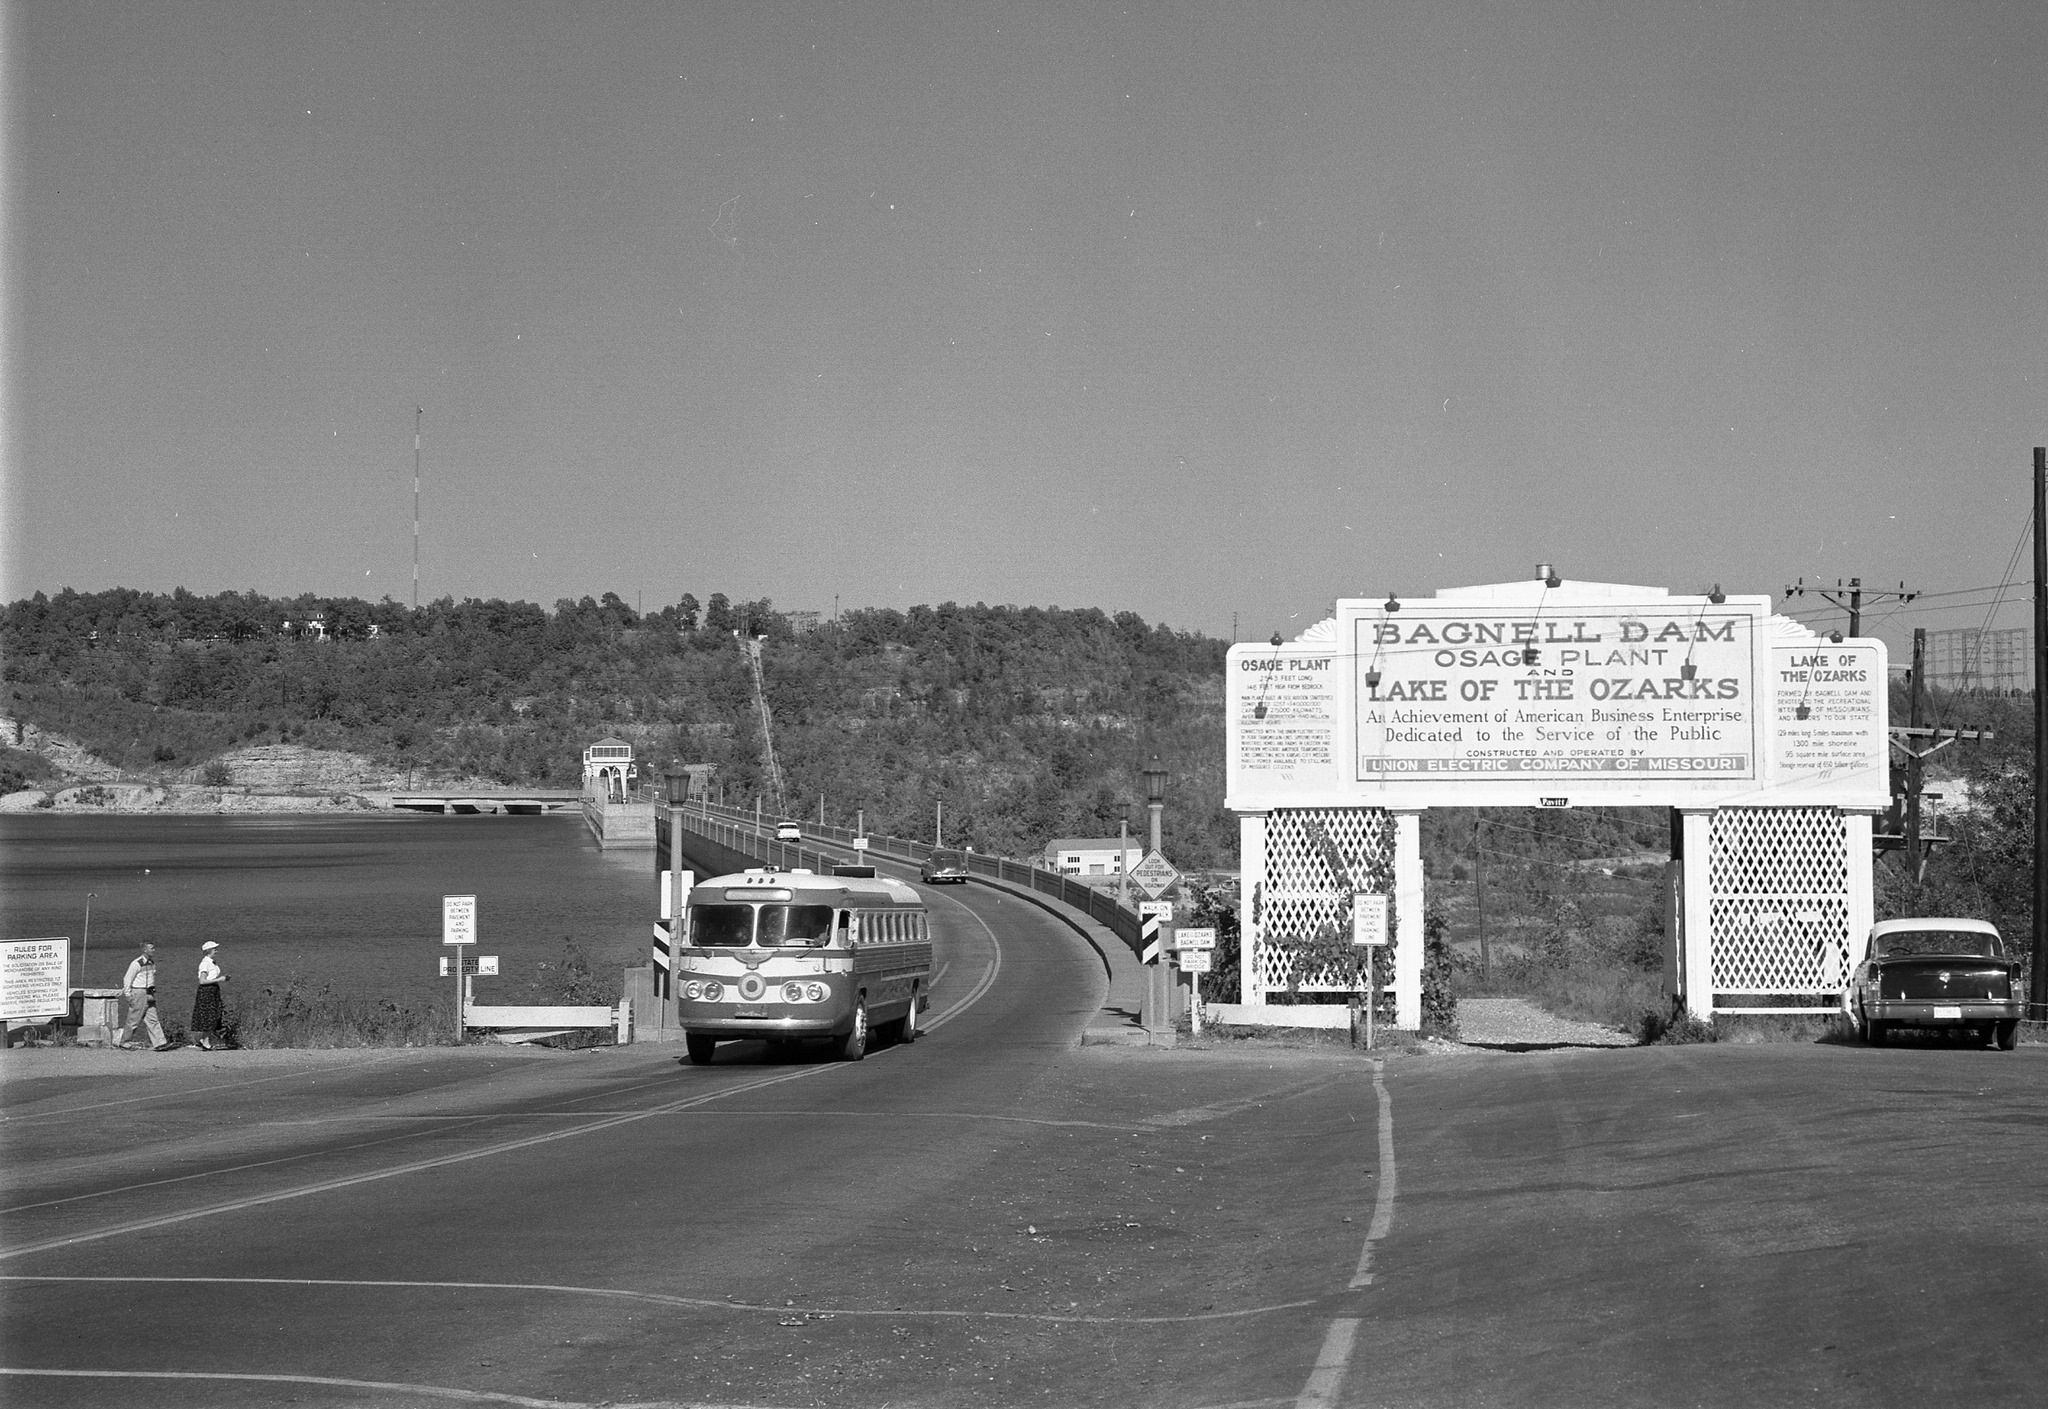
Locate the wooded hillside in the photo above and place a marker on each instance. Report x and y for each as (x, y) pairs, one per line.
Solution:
(1026, 723)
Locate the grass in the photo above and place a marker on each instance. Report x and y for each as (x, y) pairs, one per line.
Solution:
(293, 1015)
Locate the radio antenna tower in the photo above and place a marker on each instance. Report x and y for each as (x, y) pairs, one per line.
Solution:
(417, 412)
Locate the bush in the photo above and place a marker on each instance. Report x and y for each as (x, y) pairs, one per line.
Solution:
(570, 981)
(293, 1015)
(1673, 1028)
(1439, 996)
(217, 774)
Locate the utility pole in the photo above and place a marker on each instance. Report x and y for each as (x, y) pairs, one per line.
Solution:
(1479, 899)
(1855, 592)
(1918, 741)
(417, 412)
(2037, 998)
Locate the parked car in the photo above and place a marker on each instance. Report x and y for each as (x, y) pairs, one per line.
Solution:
(945, 867)
(788, 831)
(1936, 973)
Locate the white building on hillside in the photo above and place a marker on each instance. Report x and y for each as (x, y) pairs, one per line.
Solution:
(1091, 856)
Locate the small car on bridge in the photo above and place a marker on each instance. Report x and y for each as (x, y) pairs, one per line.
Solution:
(1936, 973)
(944, 867)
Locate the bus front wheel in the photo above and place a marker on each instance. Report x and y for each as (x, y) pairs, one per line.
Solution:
(854, 1045)
(699, 1047)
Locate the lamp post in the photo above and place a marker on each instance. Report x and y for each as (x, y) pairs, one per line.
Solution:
(678, 782)
(86, 943)
(1155, 796)
(1158, 1015)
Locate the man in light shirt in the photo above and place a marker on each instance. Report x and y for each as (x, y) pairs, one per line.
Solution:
(140, 984)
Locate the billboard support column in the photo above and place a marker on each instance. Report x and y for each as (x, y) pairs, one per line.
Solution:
(1251, 897)
(1696, 917)
(1408, 911)
(1858, 826)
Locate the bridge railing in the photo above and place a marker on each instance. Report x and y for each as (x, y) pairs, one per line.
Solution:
(736, 829)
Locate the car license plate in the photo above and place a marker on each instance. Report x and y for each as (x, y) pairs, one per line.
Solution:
(1953, 1014)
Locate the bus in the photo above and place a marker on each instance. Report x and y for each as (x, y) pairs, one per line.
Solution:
(790, 955)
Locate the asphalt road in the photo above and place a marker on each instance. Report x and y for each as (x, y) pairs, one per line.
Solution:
(994, 1216)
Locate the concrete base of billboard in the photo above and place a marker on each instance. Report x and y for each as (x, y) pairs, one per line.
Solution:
(1277, 1014)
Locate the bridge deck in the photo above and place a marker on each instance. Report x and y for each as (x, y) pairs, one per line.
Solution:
(526, 801)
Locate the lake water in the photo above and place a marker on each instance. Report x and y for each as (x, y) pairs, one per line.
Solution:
(349, 902)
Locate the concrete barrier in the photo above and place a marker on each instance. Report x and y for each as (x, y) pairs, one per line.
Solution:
(530, 1024)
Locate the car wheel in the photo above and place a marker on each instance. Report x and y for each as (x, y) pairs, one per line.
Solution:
(854, 1045)
(699, 1047)
(1874, 1032)
(2006, 1035)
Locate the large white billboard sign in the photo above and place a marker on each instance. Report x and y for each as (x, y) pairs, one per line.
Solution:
(1522, 695)
(1620, 693)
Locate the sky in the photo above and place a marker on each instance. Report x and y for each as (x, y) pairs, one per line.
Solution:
(1210, 312)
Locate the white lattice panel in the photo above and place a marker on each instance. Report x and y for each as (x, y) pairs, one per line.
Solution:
(1315, 859)
(1779, 884)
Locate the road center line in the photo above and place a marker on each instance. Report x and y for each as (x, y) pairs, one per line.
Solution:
(1333, 1361)
(1383, 1203)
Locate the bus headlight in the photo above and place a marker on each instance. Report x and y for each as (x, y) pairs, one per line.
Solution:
(817, 992)
(792, 993)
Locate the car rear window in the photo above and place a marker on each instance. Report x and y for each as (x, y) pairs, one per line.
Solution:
(1973, 943)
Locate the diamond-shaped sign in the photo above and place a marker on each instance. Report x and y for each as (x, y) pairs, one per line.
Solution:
(1155, 874)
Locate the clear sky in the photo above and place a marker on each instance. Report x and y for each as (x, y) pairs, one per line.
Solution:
(1210, 312)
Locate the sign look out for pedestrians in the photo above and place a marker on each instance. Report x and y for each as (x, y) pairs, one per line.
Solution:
(1155, 874)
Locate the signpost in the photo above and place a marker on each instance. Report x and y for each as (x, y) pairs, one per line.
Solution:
(458, 926)
(1369, 931)
(1151, 914)
(1195, 951)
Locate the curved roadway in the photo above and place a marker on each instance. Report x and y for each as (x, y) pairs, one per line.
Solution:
(995, 1216)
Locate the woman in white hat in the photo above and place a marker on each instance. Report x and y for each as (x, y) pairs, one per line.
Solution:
(206, 1006)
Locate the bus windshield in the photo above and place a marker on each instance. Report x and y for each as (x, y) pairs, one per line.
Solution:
(796, 926)
(781, 926)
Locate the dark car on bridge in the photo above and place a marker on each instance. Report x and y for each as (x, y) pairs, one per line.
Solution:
(945, 867)
(1942, 974)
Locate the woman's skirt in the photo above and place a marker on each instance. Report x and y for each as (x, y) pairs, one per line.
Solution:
(206, 1011)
